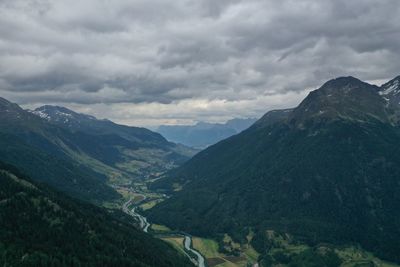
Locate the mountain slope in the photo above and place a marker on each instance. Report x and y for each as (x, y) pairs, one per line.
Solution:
(129, 151)
(203, 134)
(390, 92)
(79, 154)
(326, 171)
(78, 122)
(40, 227)
(35, 147)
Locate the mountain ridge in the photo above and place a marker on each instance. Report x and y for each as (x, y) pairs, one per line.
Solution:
(82, 157)
(72, 120)
(204, 134)
(323, 177)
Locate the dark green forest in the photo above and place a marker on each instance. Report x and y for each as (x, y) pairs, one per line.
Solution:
(42, 227)
(328, 172)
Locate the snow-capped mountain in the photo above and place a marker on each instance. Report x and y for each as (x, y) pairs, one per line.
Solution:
(63, 115)
(80, 151)
(78, 122)
(390, 91)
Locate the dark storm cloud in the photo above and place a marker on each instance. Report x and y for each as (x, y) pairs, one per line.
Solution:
(160, 51)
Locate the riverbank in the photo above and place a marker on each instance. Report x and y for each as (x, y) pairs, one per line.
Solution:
(130, 207)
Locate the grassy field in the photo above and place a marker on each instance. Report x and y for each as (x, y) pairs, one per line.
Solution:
(351, 256)
(209, 249)
(251, 253)
(227, 264)
(150, 204)
(126, 194)
(111, 205)
(137, 198)
(356, 257)
(160, 228)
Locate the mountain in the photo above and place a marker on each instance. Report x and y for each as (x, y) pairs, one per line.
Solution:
(41, 227)
(78, 122)
(79, 154)
(390, 91)
(203, 134)
(34, 146)
(325, 171)
(129, 151)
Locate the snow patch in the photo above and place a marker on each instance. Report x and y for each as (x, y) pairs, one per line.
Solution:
(392, 89)
(41, 114)
(63, 114)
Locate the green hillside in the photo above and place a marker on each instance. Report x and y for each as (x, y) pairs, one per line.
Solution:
(328, 171)
(41, 227)
(81, 155)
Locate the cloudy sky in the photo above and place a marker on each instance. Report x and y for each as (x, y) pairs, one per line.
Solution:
(150, 62)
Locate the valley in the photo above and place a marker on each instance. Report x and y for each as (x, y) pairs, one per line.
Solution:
(202, 135)
(325, 172)
(199, 133)
(84, 156)
(207, 252)
(316, 185)
(137, 200)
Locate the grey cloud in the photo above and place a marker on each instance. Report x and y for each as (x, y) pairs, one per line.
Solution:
(166, 52)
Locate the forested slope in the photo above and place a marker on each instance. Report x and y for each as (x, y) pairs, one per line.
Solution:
(41, 227)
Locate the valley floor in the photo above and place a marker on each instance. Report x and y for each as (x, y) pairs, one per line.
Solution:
(142, 200)
(207, 252)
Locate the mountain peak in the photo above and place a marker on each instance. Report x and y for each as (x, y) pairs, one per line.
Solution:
(345, 98)
(7, 108)
(345, 82)
(392, 87)
(55, 108)
(331, 165)
(58, 113)
(4, 101)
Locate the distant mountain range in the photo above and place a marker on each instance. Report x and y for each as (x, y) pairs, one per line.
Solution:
(202, 134)
(80, 154)
(41, 227)
(325, 171)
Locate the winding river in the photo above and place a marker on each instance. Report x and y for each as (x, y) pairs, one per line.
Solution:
(144, 225)
(188, 246)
